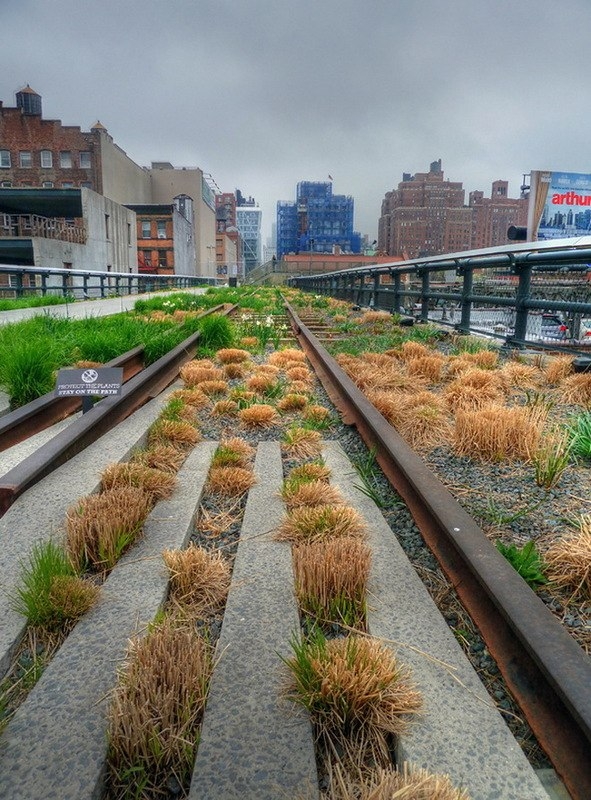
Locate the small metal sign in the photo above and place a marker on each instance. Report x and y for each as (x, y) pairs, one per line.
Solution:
(98, 382)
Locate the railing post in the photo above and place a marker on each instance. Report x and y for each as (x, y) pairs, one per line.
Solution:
(465, 270)
(376, 289)
(425, 276)
(85, 285)
(19, 284)
(102, 279)
(64, 284)
(397, 282)
(43, 284)
(522, 295)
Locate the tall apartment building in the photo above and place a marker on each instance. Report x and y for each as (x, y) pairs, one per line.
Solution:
(248, 222)
(494, 216)
(317, 222)
(43, 153)
(425, 216)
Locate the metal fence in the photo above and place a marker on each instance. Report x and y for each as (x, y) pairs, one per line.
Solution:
(538, 293)
(18, 282)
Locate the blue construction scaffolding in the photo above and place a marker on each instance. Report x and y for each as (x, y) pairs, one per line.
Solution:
(317, 222)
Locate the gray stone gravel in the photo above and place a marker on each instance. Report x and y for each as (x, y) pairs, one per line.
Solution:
(403, 526)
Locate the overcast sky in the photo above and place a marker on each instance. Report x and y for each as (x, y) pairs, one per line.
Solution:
(265, 93)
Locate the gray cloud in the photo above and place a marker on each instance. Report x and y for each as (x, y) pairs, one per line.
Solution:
(263, 94)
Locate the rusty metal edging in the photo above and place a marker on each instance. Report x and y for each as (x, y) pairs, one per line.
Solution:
(99, 420)
(543, 666)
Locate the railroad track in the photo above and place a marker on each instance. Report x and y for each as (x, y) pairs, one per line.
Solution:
(55, 745)
(140, 385)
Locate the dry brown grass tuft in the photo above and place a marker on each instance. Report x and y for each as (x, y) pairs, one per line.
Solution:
(225, 408)
(375, 317)
(282, 357)
(199, 580)
(296, 493)
(234, 371)
(473, 389)
(292, 402)
(268, 369)
(191, 397)
(100, 527)
(300, 387)
(230, 481)
(559, 368)
(390, 784)
(211, 388)
(232, 355)
(521, 376)
(312, 471)
(238, 446)
(156, 711)
(496, 433)
(166, 432)
(259, 415)
(301, 443)
(331, 580)
(428, 367)
(424, 425)
(321, 523)
(568, 561)
(164, 457)
(576, 389)
(82, 364)
(411, 349)
(484, 359)
(387, 403)
(299, 373)
(261, 383)
(315, 413)
(249, 341)
(458, 364)
(73, 595)
(357, 693)
(157, 483)
(194, 372)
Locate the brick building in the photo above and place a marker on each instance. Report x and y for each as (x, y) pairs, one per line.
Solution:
(166, 244)
(494, 216)
(426, 216)
(43, 153)
(37, 152)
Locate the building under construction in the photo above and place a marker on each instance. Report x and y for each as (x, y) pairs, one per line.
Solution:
(318, 222)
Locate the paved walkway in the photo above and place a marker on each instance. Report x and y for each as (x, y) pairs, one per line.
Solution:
(86, 308)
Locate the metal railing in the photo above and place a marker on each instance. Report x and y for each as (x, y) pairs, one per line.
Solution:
(17, 281)
(24, 225)
(534, 293)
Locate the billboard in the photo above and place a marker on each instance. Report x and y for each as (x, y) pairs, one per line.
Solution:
(559, 205)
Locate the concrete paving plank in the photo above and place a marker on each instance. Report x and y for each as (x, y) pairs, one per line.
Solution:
(55, 746)
(254, 743)
(461, 732)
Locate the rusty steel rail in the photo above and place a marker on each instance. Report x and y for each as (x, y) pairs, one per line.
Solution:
(545, 669)
(107, 413)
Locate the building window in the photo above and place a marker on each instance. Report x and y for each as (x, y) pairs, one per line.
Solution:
(48, 184)
(67, 185)
(46, 159)
(85, 160)
(146, 257)
(161, 223)
(107, 232)
(25, 159)
(86, 184)
(146, 229)
(65, 159)
(6, 184)
(5, 159)
(129, 233)
(162, 258)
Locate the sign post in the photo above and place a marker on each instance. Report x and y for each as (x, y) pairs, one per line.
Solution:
(88, 383)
